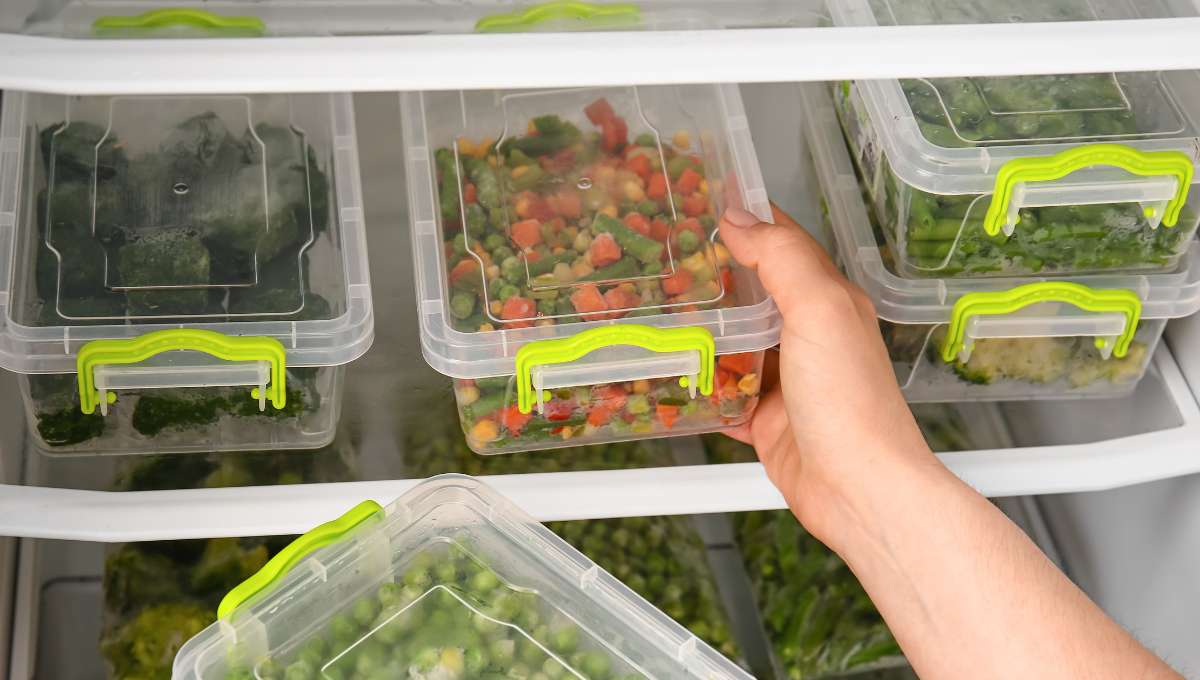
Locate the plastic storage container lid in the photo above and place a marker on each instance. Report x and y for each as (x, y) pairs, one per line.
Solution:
(456, 137)
(231, 216)
(1104, 306)
(952, 135)
(450, 578)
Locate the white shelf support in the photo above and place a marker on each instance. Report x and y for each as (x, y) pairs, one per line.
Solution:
(467, 61)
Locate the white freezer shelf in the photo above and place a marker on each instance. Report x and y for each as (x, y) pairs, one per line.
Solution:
(104, 516)
(434, 61)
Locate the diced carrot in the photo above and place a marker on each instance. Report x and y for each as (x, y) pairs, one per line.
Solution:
(599, 111)
(558, 163)
(540, 210)
(469, 193)
(465, 268)
(656, 187)
(600, 414)
(660, 231)
(604, 250)
(667, 415)
(727, 279)
(557, 409)
(513, 420)
(639, 164)
(638, 222)
(695, 205)
(527, 233)
(518, 308)
(587, 300)
(621, 298)
(611, 395)
(614, 134)
(689, 182)
(678, 283)
(738, 363)
(567, 203)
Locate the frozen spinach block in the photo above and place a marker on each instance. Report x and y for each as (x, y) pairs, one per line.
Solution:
(446, 615)
(663, 560)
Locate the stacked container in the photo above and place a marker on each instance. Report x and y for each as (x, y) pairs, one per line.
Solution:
(1036, 231)
(450, 581)
(181, 273)
(570, 276)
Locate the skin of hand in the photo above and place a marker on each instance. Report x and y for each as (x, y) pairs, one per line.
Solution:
(964, 591)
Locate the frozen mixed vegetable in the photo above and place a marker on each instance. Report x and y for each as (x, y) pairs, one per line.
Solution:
(447, 615)
(560, 223)
(817, 616)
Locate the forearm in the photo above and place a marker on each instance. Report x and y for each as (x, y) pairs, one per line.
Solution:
(966, 593)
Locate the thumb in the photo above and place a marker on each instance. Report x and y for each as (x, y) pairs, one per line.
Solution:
(790, 263)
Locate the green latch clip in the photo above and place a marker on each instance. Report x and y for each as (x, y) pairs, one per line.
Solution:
(278, 567)
(526, 19)
(135, 350)
(1119, 301)
(1145, 163)
(158, 19)
(564, 350)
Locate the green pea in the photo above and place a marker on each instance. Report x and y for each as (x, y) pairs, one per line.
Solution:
(462, 305)
(508, 291)
(365, 610)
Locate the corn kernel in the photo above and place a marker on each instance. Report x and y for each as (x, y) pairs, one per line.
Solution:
(496, 307)
(581, 268)
(530, 129)
(562, 272)
(543, 323)
(722, 254)
(633, 192)
(748, 385)
(567, 432)
(704, 186)
(485, 431)
(482, 147)
(519, 171)
(465, 147)
(493, 271)
(467, 395)
(610, 210)
(605, 174)
(486, 327)
(641, 386)
(682, 139)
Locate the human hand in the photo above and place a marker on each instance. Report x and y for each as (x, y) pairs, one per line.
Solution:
(835, 416)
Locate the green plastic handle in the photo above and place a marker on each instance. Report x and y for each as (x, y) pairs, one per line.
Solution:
(997, 303)
(191, 18)
(121, 351)
(279, 566)
(564, 350)
(530, 17)
(1145, 163)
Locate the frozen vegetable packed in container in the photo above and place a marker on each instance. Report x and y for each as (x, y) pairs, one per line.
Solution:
(182, 273)
(449, 581)
(569, 271)
(1047, 174)
(998, 338)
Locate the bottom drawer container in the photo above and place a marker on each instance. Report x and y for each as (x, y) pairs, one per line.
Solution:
(450, 581)
(184, 419)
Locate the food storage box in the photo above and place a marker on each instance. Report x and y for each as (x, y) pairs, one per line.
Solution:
(181, 273)
(451, 580)
(1005, 176)
(570, 276)
(998, 338)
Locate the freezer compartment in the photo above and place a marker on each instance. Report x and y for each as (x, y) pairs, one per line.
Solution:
(1024, 175)
(1012, 338)
(179, 261)
(568, 266)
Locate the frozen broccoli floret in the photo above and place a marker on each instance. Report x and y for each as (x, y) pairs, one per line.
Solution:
(1037, 360)
(134, 578)
(70, 153)
(145, 647)
(226, 562)
(171, 257)
(155, 413)
(276, 301)
(196, 145)
(68, 425)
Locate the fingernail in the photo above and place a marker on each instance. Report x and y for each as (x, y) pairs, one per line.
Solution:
(740, 218)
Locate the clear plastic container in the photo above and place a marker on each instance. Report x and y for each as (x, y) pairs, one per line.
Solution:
(1011, 338)
(451, 580)
(1029, 175)
(595, 301)
(202, 257)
